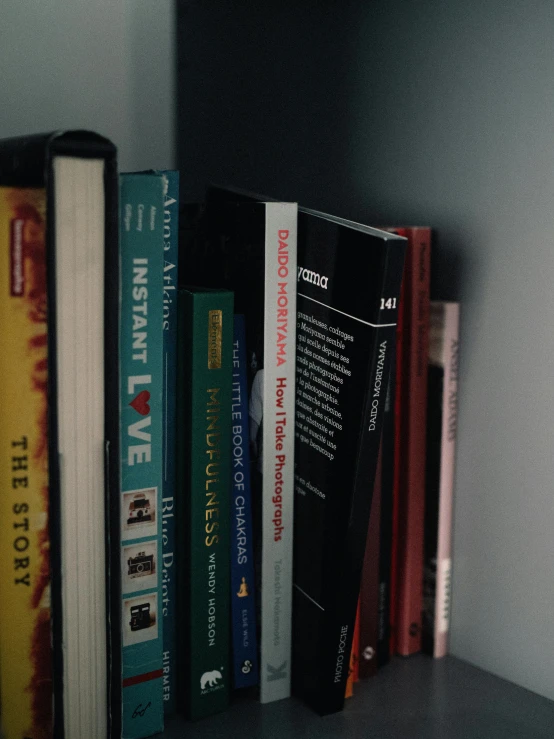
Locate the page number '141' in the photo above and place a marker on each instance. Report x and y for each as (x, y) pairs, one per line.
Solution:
(388, 304)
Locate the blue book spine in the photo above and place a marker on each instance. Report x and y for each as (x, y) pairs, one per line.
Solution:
(169, 591)
(243, 597)
(141, 419)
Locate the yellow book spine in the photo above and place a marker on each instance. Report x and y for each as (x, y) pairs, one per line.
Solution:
(25, 634)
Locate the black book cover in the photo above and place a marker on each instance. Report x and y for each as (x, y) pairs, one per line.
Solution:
(27, 161)
(348, 288)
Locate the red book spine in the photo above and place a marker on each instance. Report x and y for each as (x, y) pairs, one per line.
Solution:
(368, 606)
(411, 430)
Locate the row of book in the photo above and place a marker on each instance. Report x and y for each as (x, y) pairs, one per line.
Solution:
(194, 399)
(405, 594)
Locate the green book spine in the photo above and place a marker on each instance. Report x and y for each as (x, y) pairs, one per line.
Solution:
(206, 337)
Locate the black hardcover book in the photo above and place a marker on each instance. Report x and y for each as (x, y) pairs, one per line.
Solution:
(78, 172)
(349, 279)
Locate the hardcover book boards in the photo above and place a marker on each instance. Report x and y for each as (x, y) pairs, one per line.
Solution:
(369, 588)
(411, 391)
(206, 338)
(441, 440)
(63, 274)
(140, 493)
(348, 288)
(243, 588)
(249, 246)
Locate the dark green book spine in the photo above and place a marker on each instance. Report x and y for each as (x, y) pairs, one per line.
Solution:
(206, 338)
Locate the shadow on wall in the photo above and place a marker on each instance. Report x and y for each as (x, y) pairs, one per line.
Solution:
(263, 96)
(276, 97)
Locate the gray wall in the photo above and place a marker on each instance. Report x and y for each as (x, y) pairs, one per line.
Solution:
(437, 112)
(107, 65)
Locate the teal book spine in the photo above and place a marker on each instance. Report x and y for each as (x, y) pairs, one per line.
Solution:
(206, 335)
(141, 425)
(169, 503)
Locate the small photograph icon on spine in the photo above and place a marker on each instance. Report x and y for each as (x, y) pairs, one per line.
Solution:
(138, 513)
(139, 569)
(140, 619)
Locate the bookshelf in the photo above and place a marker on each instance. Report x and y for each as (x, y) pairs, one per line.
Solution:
(410, 698)
(385, 112)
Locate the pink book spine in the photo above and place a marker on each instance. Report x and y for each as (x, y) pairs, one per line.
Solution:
(450, 350)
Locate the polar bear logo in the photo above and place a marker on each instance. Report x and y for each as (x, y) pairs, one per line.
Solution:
(210, 678)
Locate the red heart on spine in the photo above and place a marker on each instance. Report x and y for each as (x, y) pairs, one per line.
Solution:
(140, 403)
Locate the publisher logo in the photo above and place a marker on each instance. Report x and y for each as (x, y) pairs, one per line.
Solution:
(369, 653)
(276, 673)
(210, 681)
(214, 339)
(17, 278)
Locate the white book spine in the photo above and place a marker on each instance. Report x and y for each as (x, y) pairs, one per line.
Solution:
(450, 350)
(278, 449)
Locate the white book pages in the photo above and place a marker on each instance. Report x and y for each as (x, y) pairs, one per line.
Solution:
(79, 248)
